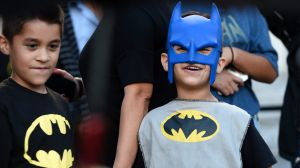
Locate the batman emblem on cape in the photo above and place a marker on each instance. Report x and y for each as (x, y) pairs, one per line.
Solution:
(189, 126)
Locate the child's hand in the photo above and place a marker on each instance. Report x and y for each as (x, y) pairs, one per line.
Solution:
(227, 83)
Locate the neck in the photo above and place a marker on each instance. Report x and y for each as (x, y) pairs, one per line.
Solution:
(199, 93)
(39, 89)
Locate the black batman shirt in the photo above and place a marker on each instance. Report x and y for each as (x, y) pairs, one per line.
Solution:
(35, 129)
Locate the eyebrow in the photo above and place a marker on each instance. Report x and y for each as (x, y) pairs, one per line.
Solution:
(36, 40)
(30, 39)
(209, 45)
(56, 41)
(179, 44)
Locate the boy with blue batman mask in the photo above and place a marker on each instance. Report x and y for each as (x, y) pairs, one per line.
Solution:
(204, 34)
(195, 129)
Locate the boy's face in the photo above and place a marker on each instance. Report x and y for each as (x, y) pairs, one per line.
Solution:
(191, 75)
(193, 33)
(33, 53)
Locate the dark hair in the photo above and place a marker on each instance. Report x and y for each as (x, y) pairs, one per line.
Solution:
(191, 12)
(18, 12)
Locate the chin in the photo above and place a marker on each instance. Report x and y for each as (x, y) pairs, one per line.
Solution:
(196, 82)
(39, 81)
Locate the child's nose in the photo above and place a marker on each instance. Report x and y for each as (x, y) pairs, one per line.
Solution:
(43, 56)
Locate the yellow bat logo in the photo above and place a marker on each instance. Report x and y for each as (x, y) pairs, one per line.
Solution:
(51, 159)
(189, 126)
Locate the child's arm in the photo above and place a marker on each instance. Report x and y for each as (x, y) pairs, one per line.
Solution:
(228, 84)
(5, 140)
(263, 71)
(255, 152)
(134, 107)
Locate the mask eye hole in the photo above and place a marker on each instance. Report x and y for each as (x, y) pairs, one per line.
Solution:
(205, 51)
(179, 49)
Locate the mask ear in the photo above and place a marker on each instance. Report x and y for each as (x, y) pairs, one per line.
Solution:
(4, 45)
(164, 61)
(216, 20)
(176, 15)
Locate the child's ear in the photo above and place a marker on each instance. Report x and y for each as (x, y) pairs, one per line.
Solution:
(4, 45)
(164, 61)
(221, 64)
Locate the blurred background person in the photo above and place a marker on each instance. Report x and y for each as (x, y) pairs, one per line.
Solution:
(120, 65)
(246, 43)
(284, 22)
(81, 19)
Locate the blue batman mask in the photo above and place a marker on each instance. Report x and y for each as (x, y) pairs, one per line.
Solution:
(194, 33)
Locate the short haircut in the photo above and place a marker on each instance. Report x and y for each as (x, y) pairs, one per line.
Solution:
(191, 12)
(17, 13)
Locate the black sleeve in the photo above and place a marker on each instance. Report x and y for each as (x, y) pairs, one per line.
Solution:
(255, 151)
(3, 66)
(5, 139)
(135, 46)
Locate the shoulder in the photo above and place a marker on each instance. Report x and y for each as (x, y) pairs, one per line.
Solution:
(255, 152)
(5, 91)
(57, 97)
(233, 109)
(238, 117)
(6, 97)
(157, 112)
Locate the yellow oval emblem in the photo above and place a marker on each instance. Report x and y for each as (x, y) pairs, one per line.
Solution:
(189, 126)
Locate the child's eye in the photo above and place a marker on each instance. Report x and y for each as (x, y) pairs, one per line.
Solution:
(205, 51)
(179, 49)
(54, 47)
(31, 46)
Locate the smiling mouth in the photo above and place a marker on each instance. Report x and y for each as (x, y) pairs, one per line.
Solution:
(41, 68)
(193, 68)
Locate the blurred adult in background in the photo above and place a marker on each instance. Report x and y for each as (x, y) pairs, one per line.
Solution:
(121, 67)
(247, 44)
(81, 19)
(285, 23)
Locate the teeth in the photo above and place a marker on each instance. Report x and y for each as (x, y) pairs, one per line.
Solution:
(193, 68)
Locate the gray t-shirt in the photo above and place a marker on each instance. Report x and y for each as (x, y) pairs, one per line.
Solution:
(188, 134)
